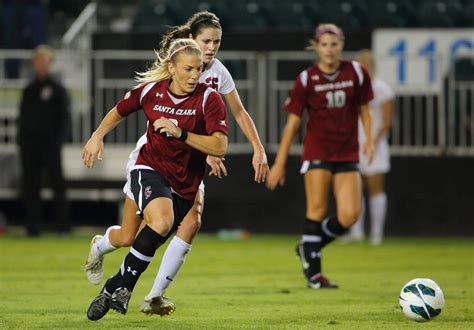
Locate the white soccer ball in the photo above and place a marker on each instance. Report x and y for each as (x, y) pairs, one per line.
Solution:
(421, 299)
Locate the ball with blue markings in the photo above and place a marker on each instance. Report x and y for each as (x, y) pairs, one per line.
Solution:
(421, 299)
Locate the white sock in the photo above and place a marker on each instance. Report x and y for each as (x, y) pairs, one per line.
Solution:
(357, 229)
(104, 246)
(171, 263)
(378, 210)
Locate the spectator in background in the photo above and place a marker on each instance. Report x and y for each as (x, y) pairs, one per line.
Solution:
(335, 93)
(44, 123)
(374, 174)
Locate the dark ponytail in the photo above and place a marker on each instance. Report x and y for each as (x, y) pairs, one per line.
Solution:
(193, 26)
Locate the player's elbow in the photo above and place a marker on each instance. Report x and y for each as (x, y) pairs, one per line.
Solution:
(220, 145)
(221, 150)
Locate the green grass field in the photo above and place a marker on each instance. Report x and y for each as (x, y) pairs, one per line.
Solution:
(255, 283)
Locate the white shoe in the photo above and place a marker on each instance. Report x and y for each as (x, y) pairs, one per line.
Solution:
(157, 305)
(93, 267)
(376, 241)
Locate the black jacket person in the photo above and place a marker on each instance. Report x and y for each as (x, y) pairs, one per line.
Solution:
(43, 125)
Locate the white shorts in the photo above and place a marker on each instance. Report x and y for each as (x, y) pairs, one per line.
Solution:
(381, 162)
(127, 189)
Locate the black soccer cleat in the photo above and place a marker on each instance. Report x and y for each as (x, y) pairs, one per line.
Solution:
(318, 281)
(99, 307)
(119, 300)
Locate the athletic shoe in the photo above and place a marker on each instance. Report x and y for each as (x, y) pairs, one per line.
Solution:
(318, 281)
(376, 240)
(99, 306)
(119, 300)
(157, 305)
(93, 267)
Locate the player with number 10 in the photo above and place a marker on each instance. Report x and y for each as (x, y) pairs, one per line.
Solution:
(335, 93)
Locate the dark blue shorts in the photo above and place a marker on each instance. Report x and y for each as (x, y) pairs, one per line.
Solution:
(333, 167)
(147, 185)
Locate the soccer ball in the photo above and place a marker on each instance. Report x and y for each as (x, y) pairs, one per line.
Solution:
(421, 299)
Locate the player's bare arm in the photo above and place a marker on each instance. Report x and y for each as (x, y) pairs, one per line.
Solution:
(245, 122)
(214, 145)
(94, 148)
(277, 172)
(366, 118)
(387, 115)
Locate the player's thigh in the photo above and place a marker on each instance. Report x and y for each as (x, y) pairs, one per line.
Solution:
(158, 214)
(317, 183)
(191, 223)
(375, 184)
(348, 194)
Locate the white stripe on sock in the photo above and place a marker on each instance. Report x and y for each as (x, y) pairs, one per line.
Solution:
(140, 256)
(326, 230)
(311, 238)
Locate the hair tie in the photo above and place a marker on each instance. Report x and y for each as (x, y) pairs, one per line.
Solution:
(332, 30)
(180, 49)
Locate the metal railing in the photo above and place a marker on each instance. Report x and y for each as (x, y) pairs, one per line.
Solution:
(424, 124)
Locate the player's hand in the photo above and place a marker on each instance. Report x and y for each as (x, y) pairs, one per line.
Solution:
(217, 166)
(164, 125)
(260, 165)
(369, 150)
(93, 149)
(276, 176)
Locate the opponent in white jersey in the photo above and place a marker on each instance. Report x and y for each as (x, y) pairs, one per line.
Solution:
(381, 108)
(205, 29)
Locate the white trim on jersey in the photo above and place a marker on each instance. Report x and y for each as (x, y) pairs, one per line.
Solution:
(146, 90)
(304, 78)
(208, 91)
(175, 99)
(359, 72)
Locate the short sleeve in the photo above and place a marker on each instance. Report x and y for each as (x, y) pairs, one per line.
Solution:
(215, 114)
(386, 92)
(295, 103)
(227, 84)
(131, 102)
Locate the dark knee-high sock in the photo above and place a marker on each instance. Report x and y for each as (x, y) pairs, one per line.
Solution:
(331, 229)
(137, 260)
(310, 248)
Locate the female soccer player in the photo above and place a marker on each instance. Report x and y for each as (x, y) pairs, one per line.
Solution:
(187, 121)
(205, 29)
(335, 93)
(374, 174)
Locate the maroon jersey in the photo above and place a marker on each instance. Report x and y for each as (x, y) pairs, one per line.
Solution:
(201, 112)
(333, 103)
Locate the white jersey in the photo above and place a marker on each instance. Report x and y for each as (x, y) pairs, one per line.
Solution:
(381, 163)
(216, 76)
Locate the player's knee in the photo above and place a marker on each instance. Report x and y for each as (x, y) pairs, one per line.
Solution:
(126, 239)
(348, 216)
(162, 223)
(316, 210)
